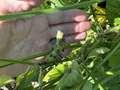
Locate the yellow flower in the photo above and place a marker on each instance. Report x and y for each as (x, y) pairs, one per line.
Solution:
(101, 15)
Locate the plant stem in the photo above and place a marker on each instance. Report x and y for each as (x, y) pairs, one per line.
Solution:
(48, 11)
(23, 60)
(34, 55)
(16, 61)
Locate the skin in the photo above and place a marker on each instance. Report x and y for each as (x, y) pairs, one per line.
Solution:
(25, 36)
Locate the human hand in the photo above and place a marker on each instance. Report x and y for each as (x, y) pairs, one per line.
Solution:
(31, 35)
(25, 36)
(73, 23)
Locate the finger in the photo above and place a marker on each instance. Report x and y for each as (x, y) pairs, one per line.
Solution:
(67, 29)
(75, 38)
(67, 16)
(22, 5)
(83, 26)
(34, 2)
(80, 36)
(18, 6)
(70, 28)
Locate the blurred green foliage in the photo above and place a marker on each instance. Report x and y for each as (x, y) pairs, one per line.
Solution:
(93, 63)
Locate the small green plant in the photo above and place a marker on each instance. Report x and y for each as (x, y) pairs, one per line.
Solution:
(93, 63)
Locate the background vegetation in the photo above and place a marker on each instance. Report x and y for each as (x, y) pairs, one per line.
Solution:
(93, 64)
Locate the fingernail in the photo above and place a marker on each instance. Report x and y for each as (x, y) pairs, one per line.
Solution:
(80, 18)
(80, 36)
(83, 26)
(32, 3)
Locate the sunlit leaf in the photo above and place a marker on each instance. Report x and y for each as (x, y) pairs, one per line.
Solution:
(56, 71)
(71, 79)
(117, 21)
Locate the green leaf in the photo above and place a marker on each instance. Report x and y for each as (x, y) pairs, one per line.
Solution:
(56, 3)
(5, 80)
(87, 86)
(115, 59)
(113, 9)
(71, 79)
(113, 83)
(98, 51)
(24, 80)
(117, 21)
(56, 72)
